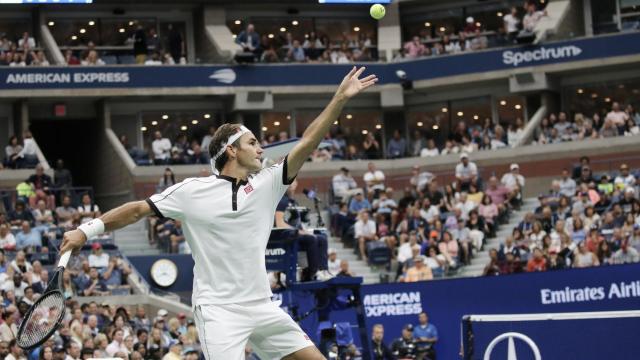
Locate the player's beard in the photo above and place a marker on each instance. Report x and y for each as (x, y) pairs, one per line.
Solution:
(250, 162)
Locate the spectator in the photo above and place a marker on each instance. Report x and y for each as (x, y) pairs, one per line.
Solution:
(374, 179)
(29, 154)
(20, 264)
(176, 45)
(466, 172)
(537, 262)
(95, 286)
(65, 212)
(585, 258)
(625, 179)
(531, 19)
(161, 147)
(365, 230)
(418, 272)
(344, 184)
(19, 215)
(378, 347)
(12, 152)
(98, 258)
(28, 239)
(333, 263)
(426, 335)
(344, 269)
(404, 347)
(397, 146)
(626, 254)
(176, 239)
(296, 52)
(26, 41)
(608, 129)
(62, 179)
(117, 345)
(249, 39)
(417, 144)
(140, 320)
(371, 147)
(15, 352)
(18, 286)
(431, 150)
(93, 59)
(69, 58)
(617, 117)
(567, 185)
(7, 240)
(511, 23)
(168, 179)
(140, 45)
(414, 48)
(508, 248)
(8, 328)
(88, 210)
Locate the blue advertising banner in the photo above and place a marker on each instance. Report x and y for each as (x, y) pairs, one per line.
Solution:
(447, 301)
(610, 288)
(15, 78)
(585, 336)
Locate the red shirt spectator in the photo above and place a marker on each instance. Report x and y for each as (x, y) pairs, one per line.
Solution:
(537, 262)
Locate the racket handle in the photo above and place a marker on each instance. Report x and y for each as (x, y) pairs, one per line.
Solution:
(64, 259)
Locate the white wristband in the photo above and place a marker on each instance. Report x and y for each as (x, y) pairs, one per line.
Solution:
(92, 228)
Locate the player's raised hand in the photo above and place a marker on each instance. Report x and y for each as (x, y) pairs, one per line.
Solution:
(72, 240)
(352, 85)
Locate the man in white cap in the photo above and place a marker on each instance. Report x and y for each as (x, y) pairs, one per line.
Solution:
(466, 173)
(227, 220)
(514, 182)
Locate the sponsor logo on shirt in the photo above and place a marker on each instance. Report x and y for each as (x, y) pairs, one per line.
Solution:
(248, 189)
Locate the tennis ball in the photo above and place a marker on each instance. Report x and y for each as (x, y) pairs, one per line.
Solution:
(377, 11)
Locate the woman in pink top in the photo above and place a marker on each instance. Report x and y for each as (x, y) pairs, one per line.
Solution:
(488, 210)
(449, 248)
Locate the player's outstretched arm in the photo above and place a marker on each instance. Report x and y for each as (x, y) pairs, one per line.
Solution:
(350, 86)
(117, 218)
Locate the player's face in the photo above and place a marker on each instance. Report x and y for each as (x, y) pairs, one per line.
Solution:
(249, 153)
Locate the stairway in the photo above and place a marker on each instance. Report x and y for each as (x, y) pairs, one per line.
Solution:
(357, 267)
(481, 259)
(133, 240)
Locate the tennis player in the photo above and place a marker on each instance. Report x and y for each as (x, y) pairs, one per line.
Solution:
(227, 220)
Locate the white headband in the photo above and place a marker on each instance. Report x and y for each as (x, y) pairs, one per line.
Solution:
(242, 130)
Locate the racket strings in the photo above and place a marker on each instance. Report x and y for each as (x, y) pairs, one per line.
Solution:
(42, 320)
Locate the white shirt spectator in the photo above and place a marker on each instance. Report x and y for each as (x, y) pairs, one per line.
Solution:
(362, 229)
(429, 152)
(333, 266)
(161, 148)
(468, 171)
(625, 181)
(14, 265)
(342, 184)
(513, 136)
(511, 22)
(8, 242)
(31, 42)
(497, 144)
(18, 291)
(87, 208)
(465, 207)
(99, 261)
(431, 214)
(618, 118)
(567, 187)
(510, 180)
(115, 347)
(371, 176)
(404, 252)
(30, 148)
(530, 21)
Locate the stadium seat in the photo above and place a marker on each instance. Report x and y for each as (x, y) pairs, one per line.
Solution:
(378, 253)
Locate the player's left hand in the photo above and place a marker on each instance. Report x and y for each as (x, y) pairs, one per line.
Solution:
(351, 84)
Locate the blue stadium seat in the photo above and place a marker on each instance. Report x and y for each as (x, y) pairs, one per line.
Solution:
(126, 59)
(110, 59)
(378, 253)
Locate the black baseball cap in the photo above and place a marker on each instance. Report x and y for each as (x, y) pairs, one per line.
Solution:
(408, 327)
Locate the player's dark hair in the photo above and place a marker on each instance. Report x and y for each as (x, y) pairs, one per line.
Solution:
(219, 140)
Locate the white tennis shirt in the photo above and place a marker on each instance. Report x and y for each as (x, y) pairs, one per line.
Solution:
(227, 226)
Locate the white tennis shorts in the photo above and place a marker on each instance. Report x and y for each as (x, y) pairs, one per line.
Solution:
(224, 330)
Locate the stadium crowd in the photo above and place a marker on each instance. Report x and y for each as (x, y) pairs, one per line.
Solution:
(21, 51)
(584, 220)
(314, 48)
(518, 26)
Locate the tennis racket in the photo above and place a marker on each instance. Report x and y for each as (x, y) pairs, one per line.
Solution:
(45, 315)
